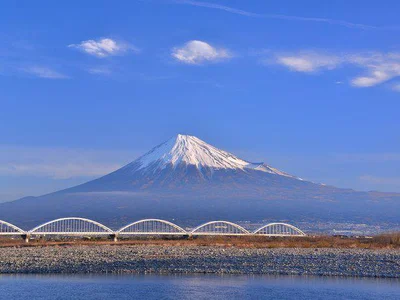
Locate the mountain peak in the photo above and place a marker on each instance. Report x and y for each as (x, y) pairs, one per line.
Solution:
(184, 136)
(190, 150)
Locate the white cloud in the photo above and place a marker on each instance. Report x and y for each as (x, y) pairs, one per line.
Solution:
(198, 52)
(308, 62)
(374, 78)
(44, 72)
(378, 67)
(103, 47)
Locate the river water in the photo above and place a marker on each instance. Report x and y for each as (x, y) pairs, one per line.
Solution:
(194, 287)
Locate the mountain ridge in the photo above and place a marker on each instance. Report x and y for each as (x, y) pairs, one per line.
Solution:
(185, 178)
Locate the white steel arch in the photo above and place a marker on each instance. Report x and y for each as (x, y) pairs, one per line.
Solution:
(279, 229)
(152, 226)
(9, 229)
(71, 226)
(219, 228)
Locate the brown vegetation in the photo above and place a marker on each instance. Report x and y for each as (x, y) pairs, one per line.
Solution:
(389, 241)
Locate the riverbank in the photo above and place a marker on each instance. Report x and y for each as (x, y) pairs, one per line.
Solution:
(143, 259)
(383, 241)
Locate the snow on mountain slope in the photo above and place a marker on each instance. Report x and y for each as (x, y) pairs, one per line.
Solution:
(190, 150)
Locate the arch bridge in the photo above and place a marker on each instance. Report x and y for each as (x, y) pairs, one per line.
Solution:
(279, 229)
(219, 228)
(71, 226)
(10, 229)
(152, 226)
(75, 226)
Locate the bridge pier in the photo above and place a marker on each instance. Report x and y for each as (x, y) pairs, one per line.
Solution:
(114, 237)
(26, 237)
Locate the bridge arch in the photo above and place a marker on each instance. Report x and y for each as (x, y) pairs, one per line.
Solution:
(9, 229)
(279, 229)
(219, 228)
(71, 226)
(151, 226)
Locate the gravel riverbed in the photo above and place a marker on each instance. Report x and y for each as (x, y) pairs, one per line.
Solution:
(199, 259)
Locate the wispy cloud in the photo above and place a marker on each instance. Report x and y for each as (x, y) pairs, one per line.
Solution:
(104, 47)
(396, 87)
(378, 67)
(109, 193)
(380, 180)
(60, 163)
(100, 70)
(279, 16)
(58, 170)
(308, 61)
(218, 6)
(367, 157)
(43, 72)
(198, 52)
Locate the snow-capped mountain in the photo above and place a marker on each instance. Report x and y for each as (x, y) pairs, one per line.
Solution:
(190, 151)
(187, 179)
(186, 162)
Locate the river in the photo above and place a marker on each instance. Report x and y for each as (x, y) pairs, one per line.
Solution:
(194, 287)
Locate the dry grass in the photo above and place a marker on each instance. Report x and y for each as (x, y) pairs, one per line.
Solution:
(383, 241)
(388, 239)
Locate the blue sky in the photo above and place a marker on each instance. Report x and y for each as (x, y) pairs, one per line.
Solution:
(310, 87)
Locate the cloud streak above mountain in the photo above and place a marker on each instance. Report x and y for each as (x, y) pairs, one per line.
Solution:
(280, 16)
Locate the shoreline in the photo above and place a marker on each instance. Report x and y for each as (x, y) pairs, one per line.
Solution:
(162, 259)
